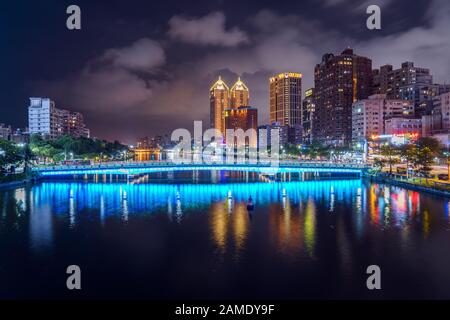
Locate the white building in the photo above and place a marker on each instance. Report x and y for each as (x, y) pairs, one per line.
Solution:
(369, 115)
(45, 119)
(42, 117)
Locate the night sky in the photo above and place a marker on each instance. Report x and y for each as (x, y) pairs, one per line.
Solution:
(137, 68)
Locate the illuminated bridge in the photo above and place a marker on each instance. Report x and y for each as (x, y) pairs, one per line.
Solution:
(138, 168)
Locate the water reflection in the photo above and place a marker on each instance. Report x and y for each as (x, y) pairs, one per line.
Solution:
(298, 213)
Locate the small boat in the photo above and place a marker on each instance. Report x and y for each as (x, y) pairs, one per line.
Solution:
(250, 205)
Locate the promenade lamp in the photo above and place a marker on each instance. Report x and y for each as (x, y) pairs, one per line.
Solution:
(447, 155)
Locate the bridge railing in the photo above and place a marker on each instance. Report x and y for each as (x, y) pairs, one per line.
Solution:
(124, 165)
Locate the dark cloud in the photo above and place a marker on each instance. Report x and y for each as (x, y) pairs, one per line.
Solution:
(207, 30)
(139, 80)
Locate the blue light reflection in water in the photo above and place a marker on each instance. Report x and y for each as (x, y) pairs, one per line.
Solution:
(303, 239)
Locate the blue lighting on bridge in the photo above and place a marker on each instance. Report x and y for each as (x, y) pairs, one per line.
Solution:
(167, 168)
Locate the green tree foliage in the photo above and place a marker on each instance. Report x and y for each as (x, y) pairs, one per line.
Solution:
(390, 154)
(316, 150)
(9, 155)
(61, 148)
(431, 143)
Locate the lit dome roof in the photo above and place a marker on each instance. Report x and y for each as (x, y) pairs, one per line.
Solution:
(219, 85)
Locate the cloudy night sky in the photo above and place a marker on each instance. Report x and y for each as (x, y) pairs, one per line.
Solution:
(138, 68)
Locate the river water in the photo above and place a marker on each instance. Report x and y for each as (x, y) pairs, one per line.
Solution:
(193, 235)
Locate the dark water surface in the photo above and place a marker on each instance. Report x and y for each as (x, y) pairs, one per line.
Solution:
(194, 238)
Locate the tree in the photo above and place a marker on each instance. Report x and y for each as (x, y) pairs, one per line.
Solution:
(379, 163)
(431, 143)
(391, 155)
(424, 160)
(9, 154)
(409, 153)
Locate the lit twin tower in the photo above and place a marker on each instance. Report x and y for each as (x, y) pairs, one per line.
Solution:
(222, 98)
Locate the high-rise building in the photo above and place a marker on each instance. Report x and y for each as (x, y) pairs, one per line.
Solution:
(286, 98)
(442, 108)
(244, 118)
(339, 80)
(72, 123)
(369, 115)
(421, 95)
(45, 119)
(219, 99)
(392, 80)
(239, 95)
(283, 133)
(308, 107)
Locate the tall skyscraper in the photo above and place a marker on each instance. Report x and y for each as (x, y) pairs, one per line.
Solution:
(308, 107)
(339, 80)
(219, 100)
(239, 94)
(286, 98)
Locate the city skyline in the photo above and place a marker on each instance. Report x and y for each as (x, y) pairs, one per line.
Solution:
(161, 88)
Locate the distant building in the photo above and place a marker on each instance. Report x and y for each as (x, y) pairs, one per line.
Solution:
(442, 104)
(20, 136)
(295, 134)
(389, 81)
(286, 98)
(45, 119)
(239, 95)
(402, 126)
(283, 133)
(369, 115)
(245, 118)
(308, 107)
(5, 132)
(339, 80)
(422, 95)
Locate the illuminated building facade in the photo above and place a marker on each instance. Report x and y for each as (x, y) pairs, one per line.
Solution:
(244, 118)
(285, 98)
(369, 115)
(47, 120)
(239, 95)
(390, 81)
(219, 99)
(339, 80)
(398, 126)
(308, 107)
(283, 133)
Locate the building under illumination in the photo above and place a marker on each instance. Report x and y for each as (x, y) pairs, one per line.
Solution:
(244, 118)
(339, 80)
(47, 120)
(369, 115)
(239, 95)
(286, 98)
(219, 100)
(308, 107)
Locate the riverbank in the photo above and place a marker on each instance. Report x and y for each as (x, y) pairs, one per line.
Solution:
(436, 189)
